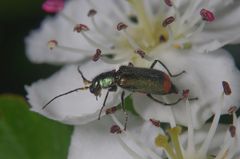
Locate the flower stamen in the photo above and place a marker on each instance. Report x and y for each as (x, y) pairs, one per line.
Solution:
(207, 15)
(52, 44)
(155, 122)
(162, 141)
(97, 55)
(213, 128)
(174, 134)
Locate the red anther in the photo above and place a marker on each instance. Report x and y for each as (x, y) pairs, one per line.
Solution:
(168, 21)
(91, 13)
(207, 15)
(232, 109)
(97, 55)
(111, 110)
(80, 27)
(130, 64)
(115, 129)
(140, 52)
(53, 6)
(121, 26)
(226, 88)
(155, 122)
(52, 44)
(168, 2)
(162, 38)
(232, 130)
(185, 93)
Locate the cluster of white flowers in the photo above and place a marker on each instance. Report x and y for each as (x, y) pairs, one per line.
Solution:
(101, 35)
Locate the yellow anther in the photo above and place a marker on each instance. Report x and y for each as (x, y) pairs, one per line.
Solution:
(161, 140)
(177, 46)
(174, 134)
(187, 45)
(175, 131)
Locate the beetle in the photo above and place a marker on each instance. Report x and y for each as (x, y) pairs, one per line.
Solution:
(134, 79)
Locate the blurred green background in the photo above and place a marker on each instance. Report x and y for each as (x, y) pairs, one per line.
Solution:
(23, 134)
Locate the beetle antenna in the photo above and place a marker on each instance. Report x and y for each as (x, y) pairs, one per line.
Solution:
(60, 95)
(85, 80)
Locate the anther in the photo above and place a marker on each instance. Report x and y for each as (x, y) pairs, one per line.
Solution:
(53, 6)
(52, 44)
(97, 55)
(168, 3)
(130, 64)
(111, 110)
(115, 129)
(162, 38)
(80, 27)
(155, 122)
(226, 88)
(207, 15)
(91, 13)
(121, 26)
(168, 21)
(232, 130)
(232, 109)
(140, 53)
(185, 93)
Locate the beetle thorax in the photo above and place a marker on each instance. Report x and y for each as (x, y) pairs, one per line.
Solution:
(106, 82)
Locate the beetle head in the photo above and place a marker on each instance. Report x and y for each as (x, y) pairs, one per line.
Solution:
(95, 88)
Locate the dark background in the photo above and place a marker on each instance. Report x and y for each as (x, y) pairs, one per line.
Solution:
(17, 19)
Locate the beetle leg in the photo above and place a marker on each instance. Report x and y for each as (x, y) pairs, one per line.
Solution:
(164, 103)
(154, 63)
(104, 103)
(124, 109)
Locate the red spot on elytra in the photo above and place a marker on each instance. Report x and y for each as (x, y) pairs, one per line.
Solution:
(166, 83)
(53, 6)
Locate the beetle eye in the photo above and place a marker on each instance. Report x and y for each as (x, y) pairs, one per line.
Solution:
(91, 89)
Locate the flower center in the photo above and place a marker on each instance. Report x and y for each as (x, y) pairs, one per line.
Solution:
(141, 30)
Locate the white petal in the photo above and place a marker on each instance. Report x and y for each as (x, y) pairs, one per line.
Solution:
(75, 108)
(200, 136)
(94, 140)
(60, 29)
(223, 30)
(204, 77)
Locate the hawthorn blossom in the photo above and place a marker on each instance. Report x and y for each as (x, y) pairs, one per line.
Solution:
(184, 35)
(149, 139)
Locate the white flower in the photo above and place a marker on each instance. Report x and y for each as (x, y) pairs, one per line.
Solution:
(137, 31)
(204, 72)
(144, 140)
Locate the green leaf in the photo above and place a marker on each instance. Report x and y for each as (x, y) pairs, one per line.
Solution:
(27, 135)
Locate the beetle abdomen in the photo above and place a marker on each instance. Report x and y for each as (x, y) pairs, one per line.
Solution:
(145, 80)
